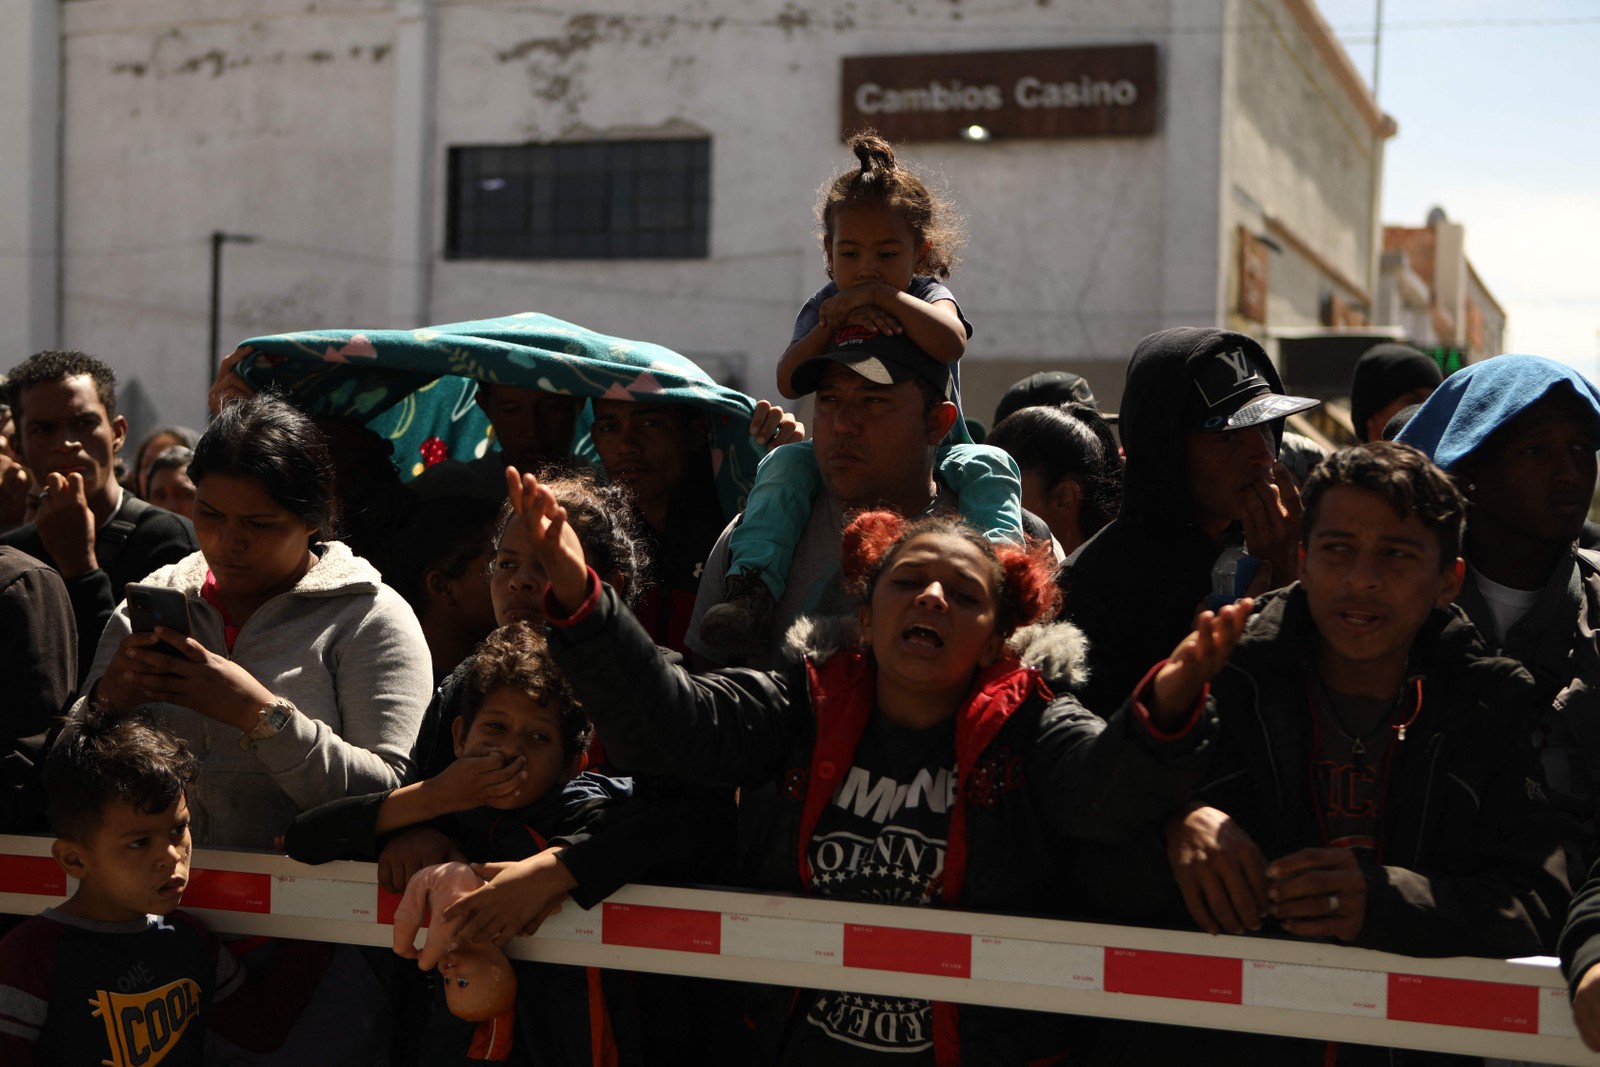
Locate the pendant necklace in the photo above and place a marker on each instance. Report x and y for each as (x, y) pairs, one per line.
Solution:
(1322, 697)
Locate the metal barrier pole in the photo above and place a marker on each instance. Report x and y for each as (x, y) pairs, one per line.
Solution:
(1509, 1009)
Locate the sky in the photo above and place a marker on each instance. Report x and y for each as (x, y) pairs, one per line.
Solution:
(1498, 105)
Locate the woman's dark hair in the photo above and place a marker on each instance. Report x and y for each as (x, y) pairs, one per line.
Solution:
(517, 657)
(186, 439)
(1024, 578)
(881, 182)
(101, 760)
(1401, 475)
(175, 458)
(1068, 441)
(607, 526)
(269, 440)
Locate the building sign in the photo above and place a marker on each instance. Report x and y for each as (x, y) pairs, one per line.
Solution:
(1054, 92)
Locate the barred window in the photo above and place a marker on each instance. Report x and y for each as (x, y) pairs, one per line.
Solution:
(585, 200)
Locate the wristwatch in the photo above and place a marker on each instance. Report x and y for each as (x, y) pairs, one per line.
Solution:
(270, 721)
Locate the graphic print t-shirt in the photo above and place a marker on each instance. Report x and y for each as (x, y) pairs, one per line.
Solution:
(1349, 783)
(123, 994)
(882, 839)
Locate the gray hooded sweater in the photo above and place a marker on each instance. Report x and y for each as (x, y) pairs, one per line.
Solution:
(346, 650)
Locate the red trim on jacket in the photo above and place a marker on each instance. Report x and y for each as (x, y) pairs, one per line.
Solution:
(602, 1041)
(843, 691)
(1141, 708)
(591, 599)
(491, 1041)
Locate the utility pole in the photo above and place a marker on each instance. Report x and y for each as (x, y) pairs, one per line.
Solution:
(1377, 48)
(218, 239)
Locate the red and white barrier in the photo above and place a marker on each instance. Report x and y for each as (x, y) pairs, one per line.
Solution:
(1514, 1010)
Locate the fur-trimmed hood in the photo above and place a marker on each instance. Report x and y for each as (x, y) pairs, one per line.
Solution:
(1058, 650)
(338, 572)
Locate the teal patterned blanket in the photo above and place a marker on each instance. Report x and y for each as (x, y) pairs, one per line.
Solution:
(415, 387)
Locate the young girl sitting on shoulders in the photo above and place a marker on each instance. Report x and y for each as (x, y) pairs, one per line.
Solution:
(889, 242)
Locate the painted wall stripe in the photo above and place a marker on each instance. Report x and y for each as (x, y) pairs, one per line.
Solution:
(783, 940)
(1458, 1002)
(673, 929)
(1175, 975)
(1514, 1010)
(1012, 959)
(1555, 1014)
(323, 898)
(32, 874)
(888, 948)
(229, 891)
(1298, 987)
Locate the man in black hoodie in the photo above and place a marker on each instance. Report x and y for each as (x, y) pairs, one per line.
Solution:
(1201, 421)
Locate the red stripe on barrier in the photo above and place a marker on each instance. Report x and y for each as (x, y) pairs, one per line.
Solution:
(1175, 975)
(387, 904)
(673, 929)
(887, 948)
(38, 875)
(229, 891)
(1416, 998)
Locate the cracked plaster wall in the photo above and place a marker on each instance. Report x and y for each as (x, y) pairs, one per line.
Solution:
(184, 116)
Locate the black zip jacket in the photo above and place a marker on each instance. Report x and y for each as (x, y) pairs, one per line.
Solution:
(1133, 589)
(1470, 856)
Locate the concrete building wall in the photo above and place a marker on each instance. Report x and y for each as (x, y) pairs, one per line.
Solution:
(181, 118)
(324, 133)
(1076, 247)
(30, 61)
(1303, 162)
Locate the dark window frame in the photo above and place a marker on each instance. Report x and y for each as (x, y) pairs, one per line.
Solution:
(645, 199)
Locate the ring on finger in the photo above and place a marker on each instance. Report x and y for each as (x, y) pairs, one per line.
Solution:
(1333, 903)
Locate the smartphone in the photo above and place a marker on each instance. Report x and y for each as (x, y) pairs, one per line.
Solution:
(150, 606)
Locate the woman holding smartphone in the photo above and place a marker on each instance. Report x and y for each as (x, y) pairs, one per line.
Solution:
(305, 677)
(303, 680)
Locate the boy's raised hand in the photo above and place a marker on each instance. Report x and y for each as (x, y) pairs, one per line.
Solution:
(1196, 661)
(555, 542)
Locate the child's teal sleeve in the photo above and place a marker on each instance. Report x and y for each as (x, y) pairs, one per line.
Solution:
(989, 486)
(776, 512)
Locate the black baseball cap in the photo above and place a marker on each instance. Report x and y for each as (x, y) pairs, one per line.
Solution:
(885, 358)
(1231, 393)
(1045, 389)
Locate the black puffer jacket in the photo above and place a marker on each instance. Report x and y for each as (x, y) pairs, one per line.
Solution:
(1133, 589)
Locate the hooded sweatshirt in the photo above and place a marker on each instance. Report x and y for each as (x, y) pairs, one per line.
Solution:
(1558, 638)
(1476, 401)
(1133, 589)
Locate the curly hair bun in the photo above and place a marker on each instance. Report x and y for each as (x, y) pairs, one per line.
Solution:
(875, 153)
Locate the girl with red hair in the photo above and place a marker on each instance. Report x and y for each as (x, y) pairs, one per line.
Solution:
(915, 760)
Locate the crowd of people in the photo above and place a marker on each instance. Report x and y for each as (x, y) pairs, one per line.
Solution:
(1173, 667)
